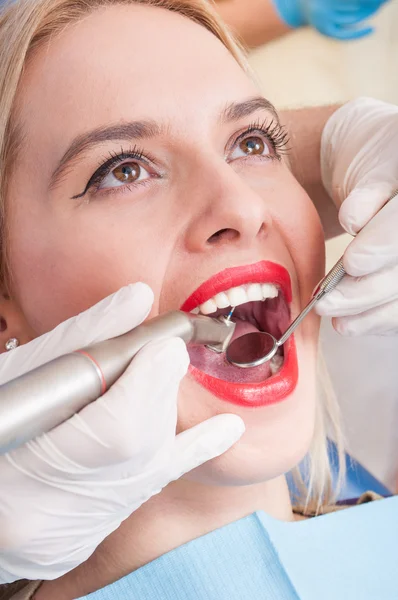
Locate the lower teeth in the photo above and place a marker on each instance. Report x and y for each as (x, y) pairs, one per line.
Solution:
(276, 364)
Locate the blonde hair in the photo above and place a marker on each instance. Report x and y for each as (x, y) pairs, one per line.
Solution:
(25, 25)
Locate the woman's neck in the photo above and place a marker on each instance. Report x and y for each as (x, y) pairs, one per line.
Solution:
(181, 512)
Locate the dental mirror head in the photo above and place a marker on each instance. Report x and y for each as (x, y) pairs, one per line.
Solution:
(252, 350)
(256, 348)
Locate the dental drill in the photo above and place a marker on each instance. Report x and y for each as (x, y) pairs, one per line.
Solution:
(41, 399)
(45, 397)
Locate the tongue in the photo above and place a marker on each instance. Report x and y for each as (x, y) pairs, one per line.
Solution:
(217, 366)
(242, 327)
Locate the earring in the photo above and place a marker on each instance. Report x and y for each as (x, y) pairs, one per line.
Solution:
(11, 344)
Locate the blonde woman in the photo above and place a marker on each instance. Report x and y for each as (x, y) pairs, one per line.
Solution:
(151, 157)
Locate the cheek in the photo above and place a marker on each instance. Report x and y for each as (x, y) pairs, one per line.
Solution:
(302, 231)
(65, 266)
(296, 224)
(300, 227)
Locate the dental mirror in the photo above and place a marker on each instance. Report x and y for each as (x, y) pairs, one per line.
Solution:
(255, 349)
(252, 350)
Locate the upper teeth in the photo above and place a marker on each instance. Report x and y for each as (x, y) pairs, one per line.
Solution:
(238, 295)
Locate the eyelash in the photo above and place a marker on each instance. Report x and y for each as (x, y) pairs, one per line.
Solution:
(114, 160)
(273, 131)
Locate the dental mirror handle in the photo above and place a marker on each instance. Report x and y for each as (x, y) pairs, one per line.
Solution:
(43, 398)
(328, 283)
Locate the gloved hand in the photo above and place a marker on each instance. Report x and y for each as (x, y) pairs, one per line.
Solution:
(359, 158)
(66, 491)
(340, 19)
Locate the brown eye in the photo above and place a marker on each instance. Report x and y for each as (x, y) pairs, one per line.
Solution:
(127, 172)
(252, 145)
(124, 174)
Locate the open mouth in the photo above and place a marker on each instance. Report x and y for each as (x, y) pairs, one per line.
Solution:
(258, 307)
(261, 294)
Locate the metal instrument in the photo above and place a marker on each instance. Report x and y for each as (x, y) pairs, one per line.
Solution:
(255, 349)
(41, 399)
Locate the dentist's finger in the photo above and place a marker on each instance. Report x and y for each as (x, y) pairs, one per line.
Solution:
(111, 317)
(204, 442)
(364, 203)
(382, 320)
(136, 419)
(376, 246)
(355, 295)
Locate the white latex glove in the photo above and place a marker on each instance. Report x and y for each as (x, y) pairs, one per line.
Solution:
(360, 172)
(63, 493)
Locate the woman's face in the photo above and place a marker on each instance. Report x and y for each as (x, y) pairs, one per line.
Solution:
(147, 155)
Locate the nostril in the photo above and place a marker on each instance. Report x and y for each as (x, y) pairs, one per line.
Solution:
(223, 235)
(262, 229)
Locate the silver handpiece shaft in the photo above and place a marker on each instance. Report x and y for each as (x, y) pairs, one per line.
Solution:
(41, 399)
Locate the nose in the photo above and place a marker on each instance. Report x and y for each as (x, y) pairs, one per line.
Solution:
(227, 211)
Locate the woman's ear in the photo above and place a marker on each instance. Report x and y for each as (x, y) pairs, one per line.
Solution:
(13, 324)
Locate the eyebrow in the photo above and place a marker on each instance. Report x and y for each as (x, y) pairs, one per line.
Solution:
(125, 131)
(145, 129)
(237, 110)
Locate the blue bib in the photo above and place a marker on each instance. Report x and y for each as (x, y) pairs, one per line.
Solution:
(351, 554)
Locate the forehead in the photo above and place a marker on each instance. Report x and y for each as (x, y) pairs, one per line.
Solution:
(127, 61)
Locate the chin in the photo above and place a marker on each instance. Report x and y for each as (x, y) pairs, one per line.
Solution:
(277, 435)
(276, 401)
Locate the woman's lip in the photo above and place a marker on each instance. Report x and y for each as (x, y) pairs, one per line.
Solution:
(272, 390)
(260, 272)
(279, 386)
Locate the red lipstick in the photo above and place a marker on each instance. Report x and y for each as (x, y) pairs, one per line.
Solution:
(279, 386)
(261, 272)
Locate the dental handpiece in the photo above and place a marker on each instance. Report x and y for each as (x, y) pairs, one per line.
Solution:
(47, 396)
